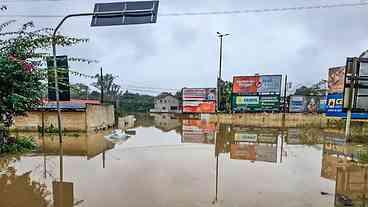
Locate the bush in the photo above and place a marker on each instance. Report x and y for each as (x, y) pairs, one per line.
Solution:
(18, 145)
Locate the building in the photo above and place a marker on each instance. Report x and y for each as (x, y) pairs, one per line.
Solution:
(166, 103)
(76, 115)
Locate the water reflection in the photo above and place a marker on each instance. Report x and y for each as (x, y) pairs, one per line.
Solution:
(190, 162)
(352, 186)
(253, 144)
(20, 190)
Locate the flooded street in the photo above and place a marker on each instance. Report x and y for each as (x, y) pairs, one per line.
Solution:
(172, 162)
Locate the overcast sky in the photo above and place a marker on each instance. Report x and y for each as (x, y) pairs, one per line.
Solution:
(183, 51)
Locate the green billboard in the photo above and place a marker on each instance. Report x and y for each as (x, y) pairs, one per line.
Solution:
(255, 103)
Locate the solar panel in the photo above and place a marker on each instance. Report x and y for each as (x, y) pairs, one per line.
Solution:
(132, 12)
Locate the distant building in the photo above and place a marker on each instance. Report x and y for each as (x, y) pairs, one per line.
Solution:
(166, 103)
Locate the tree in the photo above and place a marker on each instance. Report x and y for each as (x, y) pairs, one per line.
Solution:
(22, 79)
(317, 89)
(112, 91)
(79, 91)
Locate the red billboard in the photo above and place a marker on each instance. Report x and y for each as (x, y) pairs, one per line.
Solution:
(199, 107)
(246, 84)
(259, 84)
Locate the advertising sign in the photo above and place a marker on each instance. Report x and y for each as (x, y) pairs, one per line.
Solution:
(270, 84)
(256, 103)
(270, 103)
(199, 94)
(265, 84)
(246, 84)
(360, 92)
(309, 104)
(336, 77)
(199, 107)
(335, 107)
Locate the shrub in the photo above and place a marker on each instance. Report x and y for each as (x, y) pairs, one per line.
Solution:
(18, 145)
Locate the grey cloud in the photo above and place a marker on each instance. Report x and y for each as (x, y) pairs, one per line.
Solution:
(183, 51)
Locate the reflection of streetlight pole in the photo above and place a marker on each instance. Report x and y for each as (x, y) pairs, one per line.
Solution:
(219, 78)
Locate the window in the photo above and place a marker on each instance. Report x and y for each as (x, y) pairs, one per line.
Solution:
(173, 108)
(164, 108)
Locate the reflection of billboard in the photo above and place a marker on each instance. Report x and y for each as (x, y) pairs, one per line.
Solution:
(256, 103)
(336, 77)
(302, 104)
(245, 137)
(199, 94)
(243, 152)
(265, 84)
(253, 152)
(198, 131)
(199, 107)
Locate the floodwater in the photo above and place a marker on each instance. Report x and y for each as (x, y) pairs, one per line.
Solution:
(172, 162)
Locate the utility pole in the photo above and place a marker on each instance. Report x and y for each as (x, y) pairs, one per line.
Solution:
(102, 86)
(284, 104)
(219, 78)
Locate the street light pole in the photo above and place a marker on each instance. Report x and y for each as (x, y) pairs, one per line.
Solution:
(219, 78)
(54, 42)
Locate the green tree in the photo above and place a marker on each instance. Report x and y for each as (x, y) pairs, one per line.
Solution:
(112, 91)
(79, 91)
(22, 79)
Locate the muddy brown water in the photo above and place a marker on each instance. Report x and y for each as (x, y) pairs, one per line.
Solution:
(170, 162)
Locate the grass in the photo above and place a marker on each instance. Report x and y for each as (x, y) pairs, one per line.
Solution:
(18, 145)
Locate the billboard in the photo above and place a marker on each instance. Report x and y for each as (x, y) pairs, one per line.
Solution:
(199, 107)
(265, 84)
(256, 103)
(199, 94)
(198, 131)
(336, 78)
(301, 104)
(334, 107)
(360, 85)
(63, 78)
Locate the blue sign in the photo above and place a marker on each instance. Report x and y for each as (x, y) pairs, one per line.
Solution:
(335, 107)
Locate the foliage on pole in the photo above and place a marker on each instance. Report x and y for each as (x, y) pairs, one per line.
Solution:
(23, 82)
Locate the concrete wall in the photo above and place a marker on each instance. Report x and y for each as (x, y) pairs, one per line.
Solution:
(95, 116)
(271, 119)
(99, 116)
(72, 121)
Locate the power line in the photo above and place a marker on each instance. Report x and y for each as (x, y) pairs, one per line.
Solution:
(153, 88)
(228, 12)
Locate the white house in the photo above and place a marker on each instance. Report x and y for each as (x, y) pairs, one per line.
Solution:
(166, 103)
